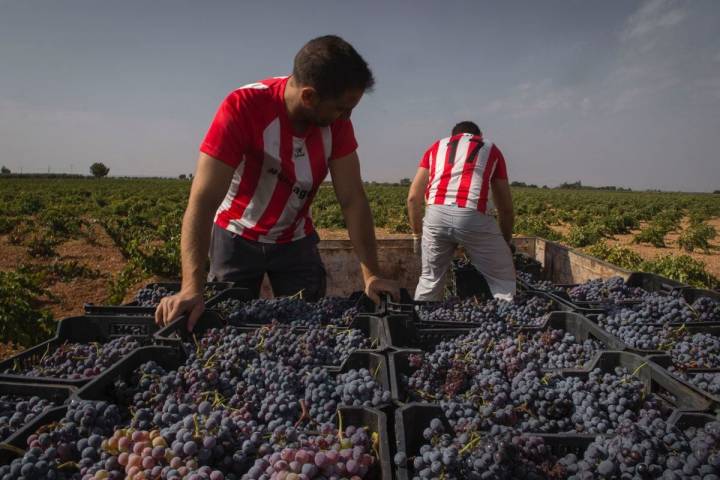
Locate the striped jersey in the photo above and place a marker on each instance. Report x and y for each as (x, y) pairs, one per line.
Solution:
(461, 169)
(277, 172)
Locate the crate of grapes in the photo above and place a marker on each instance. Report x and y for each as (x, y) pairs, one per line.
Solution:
(238, 308)
(98, 437)
(82, 348)
(21, 402)
(363, 333)
(704, 379)
(148, 298)
(404, 333)
(646, 332)
(15, 445)
(600, 295)
(502, 453)
(481, 391)
(526, 309)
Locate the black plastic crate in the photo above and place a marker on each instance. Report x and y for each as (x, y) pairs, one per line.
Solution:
(426, 340)
(656, 380)
(57, 394)
(14, 446)
(133, 308)
(685, 420)
(376, 422)
(101, 388)
(469, 282)
(411, 309)
(665, 362)
(363, 303)
(413, 418)
(82, 329)
(176, 332)
(647, 281)
(691, 328)
(403, 332)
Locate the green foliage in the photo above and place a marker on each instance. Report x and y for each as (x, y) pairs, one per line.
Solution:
(535, 226)
(621, 256)
(5, 171)
(584, 235)
(99, 170)
(697, 235)
(682, 268)
(653, 234)
(43, 246)
(21, 321)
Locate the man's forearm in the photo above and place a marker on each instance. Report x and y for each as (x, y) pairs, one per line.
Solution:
(506, 220)
(361, 230)
(194, 246)
(415, 216)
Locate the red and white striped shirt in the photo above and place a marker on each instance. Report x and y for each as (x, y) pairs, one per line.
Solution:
(461, 169)
(277, 173)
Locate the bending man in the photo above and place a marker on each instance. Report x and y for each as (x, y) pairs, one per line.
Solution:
(263, 159)
(458, 177)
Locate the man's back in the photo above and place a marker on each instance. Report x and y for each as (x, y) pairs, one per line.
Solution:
(461, 169)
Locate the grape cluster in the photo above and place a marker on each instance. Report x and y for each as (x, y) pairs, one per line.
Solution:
(611, 290)
(700, 350)
(16, 411)
(707, 381)
(151, 296)
(76, 361)
(524, 310)
(313, 346)
(290, 311)
(501, 454)
(706, 309)
(541, 285)
(651, 448)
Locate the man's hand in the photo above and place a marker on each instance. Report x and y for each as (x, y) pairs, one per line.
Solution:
(375, 285)
(417, 244)
(176, 305)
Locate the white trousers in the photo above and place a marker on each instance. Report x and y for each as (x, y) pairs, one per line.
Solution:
(447, 226)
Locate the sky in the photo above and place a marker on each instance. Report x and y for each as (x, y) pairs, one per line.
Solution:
(620, 93)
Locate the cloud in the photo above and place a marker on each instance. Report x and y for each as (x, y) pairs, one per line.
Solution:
(651, 17)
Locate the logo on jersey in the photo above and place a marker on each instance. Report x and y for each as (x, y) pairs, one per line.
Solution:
(299, 152)
(299, 192)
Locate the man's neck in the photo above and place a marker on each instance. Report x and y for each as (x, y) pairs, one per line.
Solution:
(292, 106)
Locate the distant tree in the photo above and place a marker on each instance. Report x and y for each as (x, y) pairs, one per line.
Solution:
(716, 191)
(183, 176)
(99, 170)
(545, 187)
(190, 176)
(5, 170)
(405, 181)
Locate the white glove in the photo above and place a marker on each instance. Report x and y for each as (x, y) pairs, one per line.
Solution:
(417, 244)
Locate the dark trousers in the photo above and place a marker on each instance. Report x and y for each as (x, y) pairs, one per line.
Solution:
(292, 267)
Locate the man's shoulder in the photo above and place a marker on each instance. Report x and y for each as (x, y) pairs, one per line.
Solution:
(258, 92)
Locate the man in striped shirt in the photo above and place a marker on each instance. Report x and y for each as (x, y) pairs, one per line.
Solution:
(459, 177)
(268, 150)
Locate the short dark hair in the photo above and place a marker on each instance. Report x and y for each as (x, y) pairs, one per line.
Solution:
(466, 127)
(331, 66)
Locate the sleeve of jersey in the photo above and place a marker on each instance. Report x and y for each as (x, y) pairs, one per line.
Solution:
(500, 167)
(425, 160)
(226, 138)
(343, 139)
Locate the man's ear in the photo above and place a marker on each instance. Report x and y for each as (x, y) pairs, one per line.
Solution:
(309, 97)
